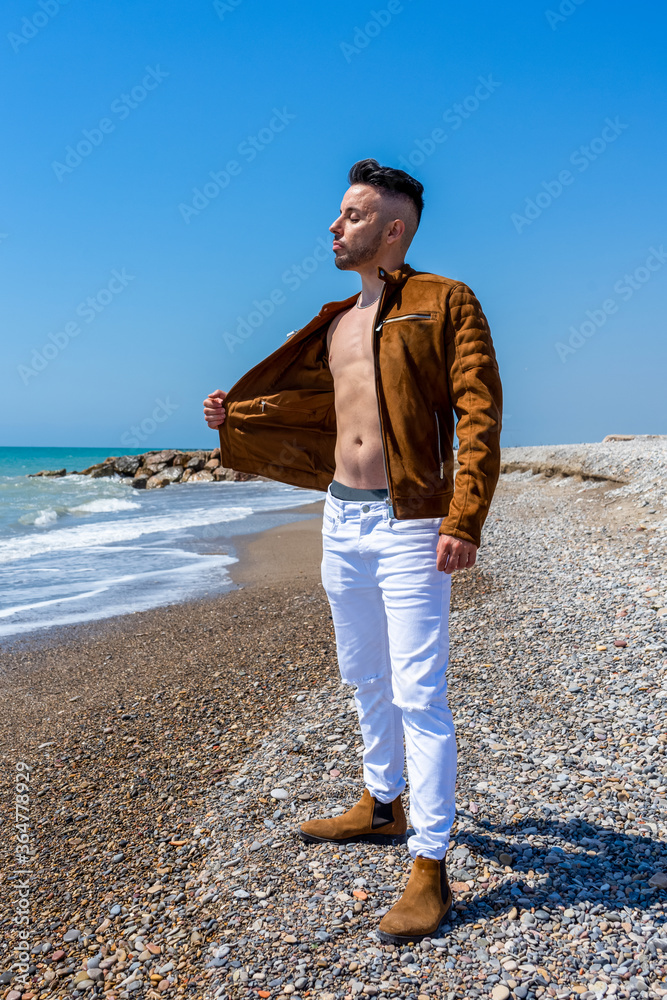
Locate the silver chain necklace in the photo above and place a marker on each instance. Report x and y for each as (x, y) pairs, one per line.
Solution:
(368, 303)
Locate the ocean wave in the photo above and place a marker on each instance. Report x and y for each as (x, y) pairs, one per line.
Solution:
(40, 518)
(100, 534)
(105, 505)
(98, 587)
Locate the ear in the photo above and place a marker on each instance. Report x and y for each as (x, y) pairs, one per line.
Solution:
(395, 231)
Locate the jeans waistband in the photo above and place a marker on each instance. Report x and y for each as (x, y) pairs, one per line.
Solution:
(344, 509)
(342, 492)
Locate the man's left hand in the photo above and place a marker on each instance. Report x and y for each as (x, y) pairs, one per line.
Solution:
(455, 553)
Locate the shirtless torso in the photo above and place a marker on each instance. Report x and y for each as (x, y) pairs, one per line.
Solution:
(358, 456)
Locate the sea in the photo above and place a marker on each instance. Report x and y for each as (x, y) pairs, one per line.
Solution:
(75, 549)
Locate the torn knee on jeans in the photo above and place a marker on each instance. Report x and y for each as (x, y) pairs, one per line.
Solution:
(431, 707)
(409, 709)
(362, 682)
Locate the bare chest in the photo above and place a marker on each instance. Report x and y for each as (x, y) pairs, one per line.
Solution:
(350, 342)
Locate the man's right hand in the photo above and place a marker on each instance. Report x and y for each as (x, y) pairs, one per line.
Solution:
(214, 411)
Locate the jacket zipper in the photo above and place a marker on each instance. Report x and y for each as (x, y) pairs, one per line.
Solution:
(395, 319)
(376, 329)
(437, 427)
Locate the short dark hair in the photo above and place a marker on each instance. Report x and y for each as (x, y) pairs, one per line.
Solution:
(388, 179)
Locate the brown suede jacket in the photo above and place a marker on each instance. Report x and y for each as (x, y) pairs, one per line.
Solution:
(433, 357)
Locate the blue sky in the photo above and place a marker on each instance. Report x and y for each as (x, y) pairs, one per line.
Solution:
(127, 267)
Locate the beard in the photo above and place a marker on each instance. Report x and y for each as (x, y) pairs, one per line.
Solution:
(362, 254)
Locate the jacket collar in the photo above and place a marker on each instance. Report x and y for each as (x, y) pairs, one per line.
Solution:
(395, 277)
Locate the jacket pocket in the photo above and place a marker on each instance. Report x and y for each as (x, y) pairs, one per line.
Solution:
(439, 442)
(287, 408)
(396, 319)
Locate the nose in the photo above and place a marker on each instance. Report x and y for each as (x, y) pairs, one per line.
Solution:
(336, 227)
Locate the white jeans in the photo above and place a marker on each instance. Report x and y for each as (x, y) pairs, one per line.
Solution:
(390, 608)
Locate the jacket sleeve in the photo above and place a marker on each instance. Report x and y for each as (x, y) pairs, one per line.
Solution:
(476, 395)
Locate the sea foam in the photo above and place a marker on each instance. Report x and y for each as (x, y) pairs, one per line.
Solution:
(105, 505)
(106, 533)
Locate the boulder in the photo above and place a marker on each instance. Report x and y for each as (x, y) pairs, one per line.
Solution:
(221, 474)
(196, 463)
(139, 482)
(243, 477)
(92, 470)
(103, 471)
(212, 464)
(164, 478)
(203, 476)
(159, 457)
(172, 473)
(127, 465)
(182, 458)
(215, 453)
(48, 472)
(153, 465)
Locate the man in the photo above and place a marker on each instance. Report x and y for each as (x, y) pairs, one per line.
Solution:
(360, 402)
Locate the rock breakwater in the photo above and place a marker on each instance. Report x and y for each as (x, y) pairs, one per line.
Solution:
(156, 469)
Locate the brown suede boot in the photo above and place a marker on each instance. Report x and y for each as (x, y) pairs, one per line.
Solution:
(426, 902)
(369, 822)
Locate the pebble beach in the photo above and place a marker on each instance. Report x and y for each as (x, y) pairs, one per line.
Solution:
(173, 753)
